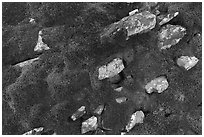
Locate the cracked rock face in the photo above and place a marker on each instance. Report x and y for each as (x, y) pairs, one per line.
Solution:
(111, 69)
(170, 35)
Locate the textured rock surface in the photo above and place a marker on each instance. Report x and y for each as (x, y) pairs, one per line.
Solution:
(83, 37)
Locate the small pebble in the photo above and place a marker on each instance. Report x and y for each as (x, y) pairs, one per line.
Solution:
(121, 99)
(79, 113)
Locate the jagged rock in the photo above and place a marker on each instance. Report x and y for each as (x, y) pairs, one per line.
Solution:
(187, 62)
(79, 113)
(136, 118)
(159, 84)
(26, 63)
(166, 18)
(99, 109)
(89, 125)
(111, 69)
(170, 35)
(140, 23)
(41, 46)
(134, 23)
(35, 131)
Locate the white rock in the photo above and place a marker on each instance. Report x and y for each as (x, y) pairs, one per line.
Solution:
(167, 18)
(40, 45)
(80, 112)
(34, 131)
(26, 63)
(32, 21)
(111, 69)
(133, 12)
(170, 35)
(121, 99)
(140, 23)
(159, 84)
(89, 125)
(187, 62)
(99, 109)
(119, 89)
(136, 118)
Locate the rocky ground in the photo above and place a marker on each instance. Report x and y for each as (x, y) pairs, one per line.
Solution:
(98, 68)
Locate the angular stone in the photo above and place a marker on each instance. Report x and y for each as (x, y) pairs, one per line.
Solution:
(79, 113)
(136, 118)
(140, 23)
(167, 18)
(40, 45)
(111, 69)
(121, 99)
(35, 131)
(134, 23)
(99, 109)
(119, 89)
(27, 62)
(89, 125)
(187, 62)
(170, 35)
(159, 84)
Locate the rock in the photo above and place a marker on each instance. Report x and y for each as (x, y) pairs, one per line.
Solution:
(79, 113)
(187, 62)
(26, 63)
(133, 24)
(111, 69)
(89, 125)
(41, 46)
(35, 131)
(121, 100)
(136, 118)
(133, 12)
(166, 18)
(170, 35)
(140, 23)
(119, 89)
(159, 84)
(99, 109)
